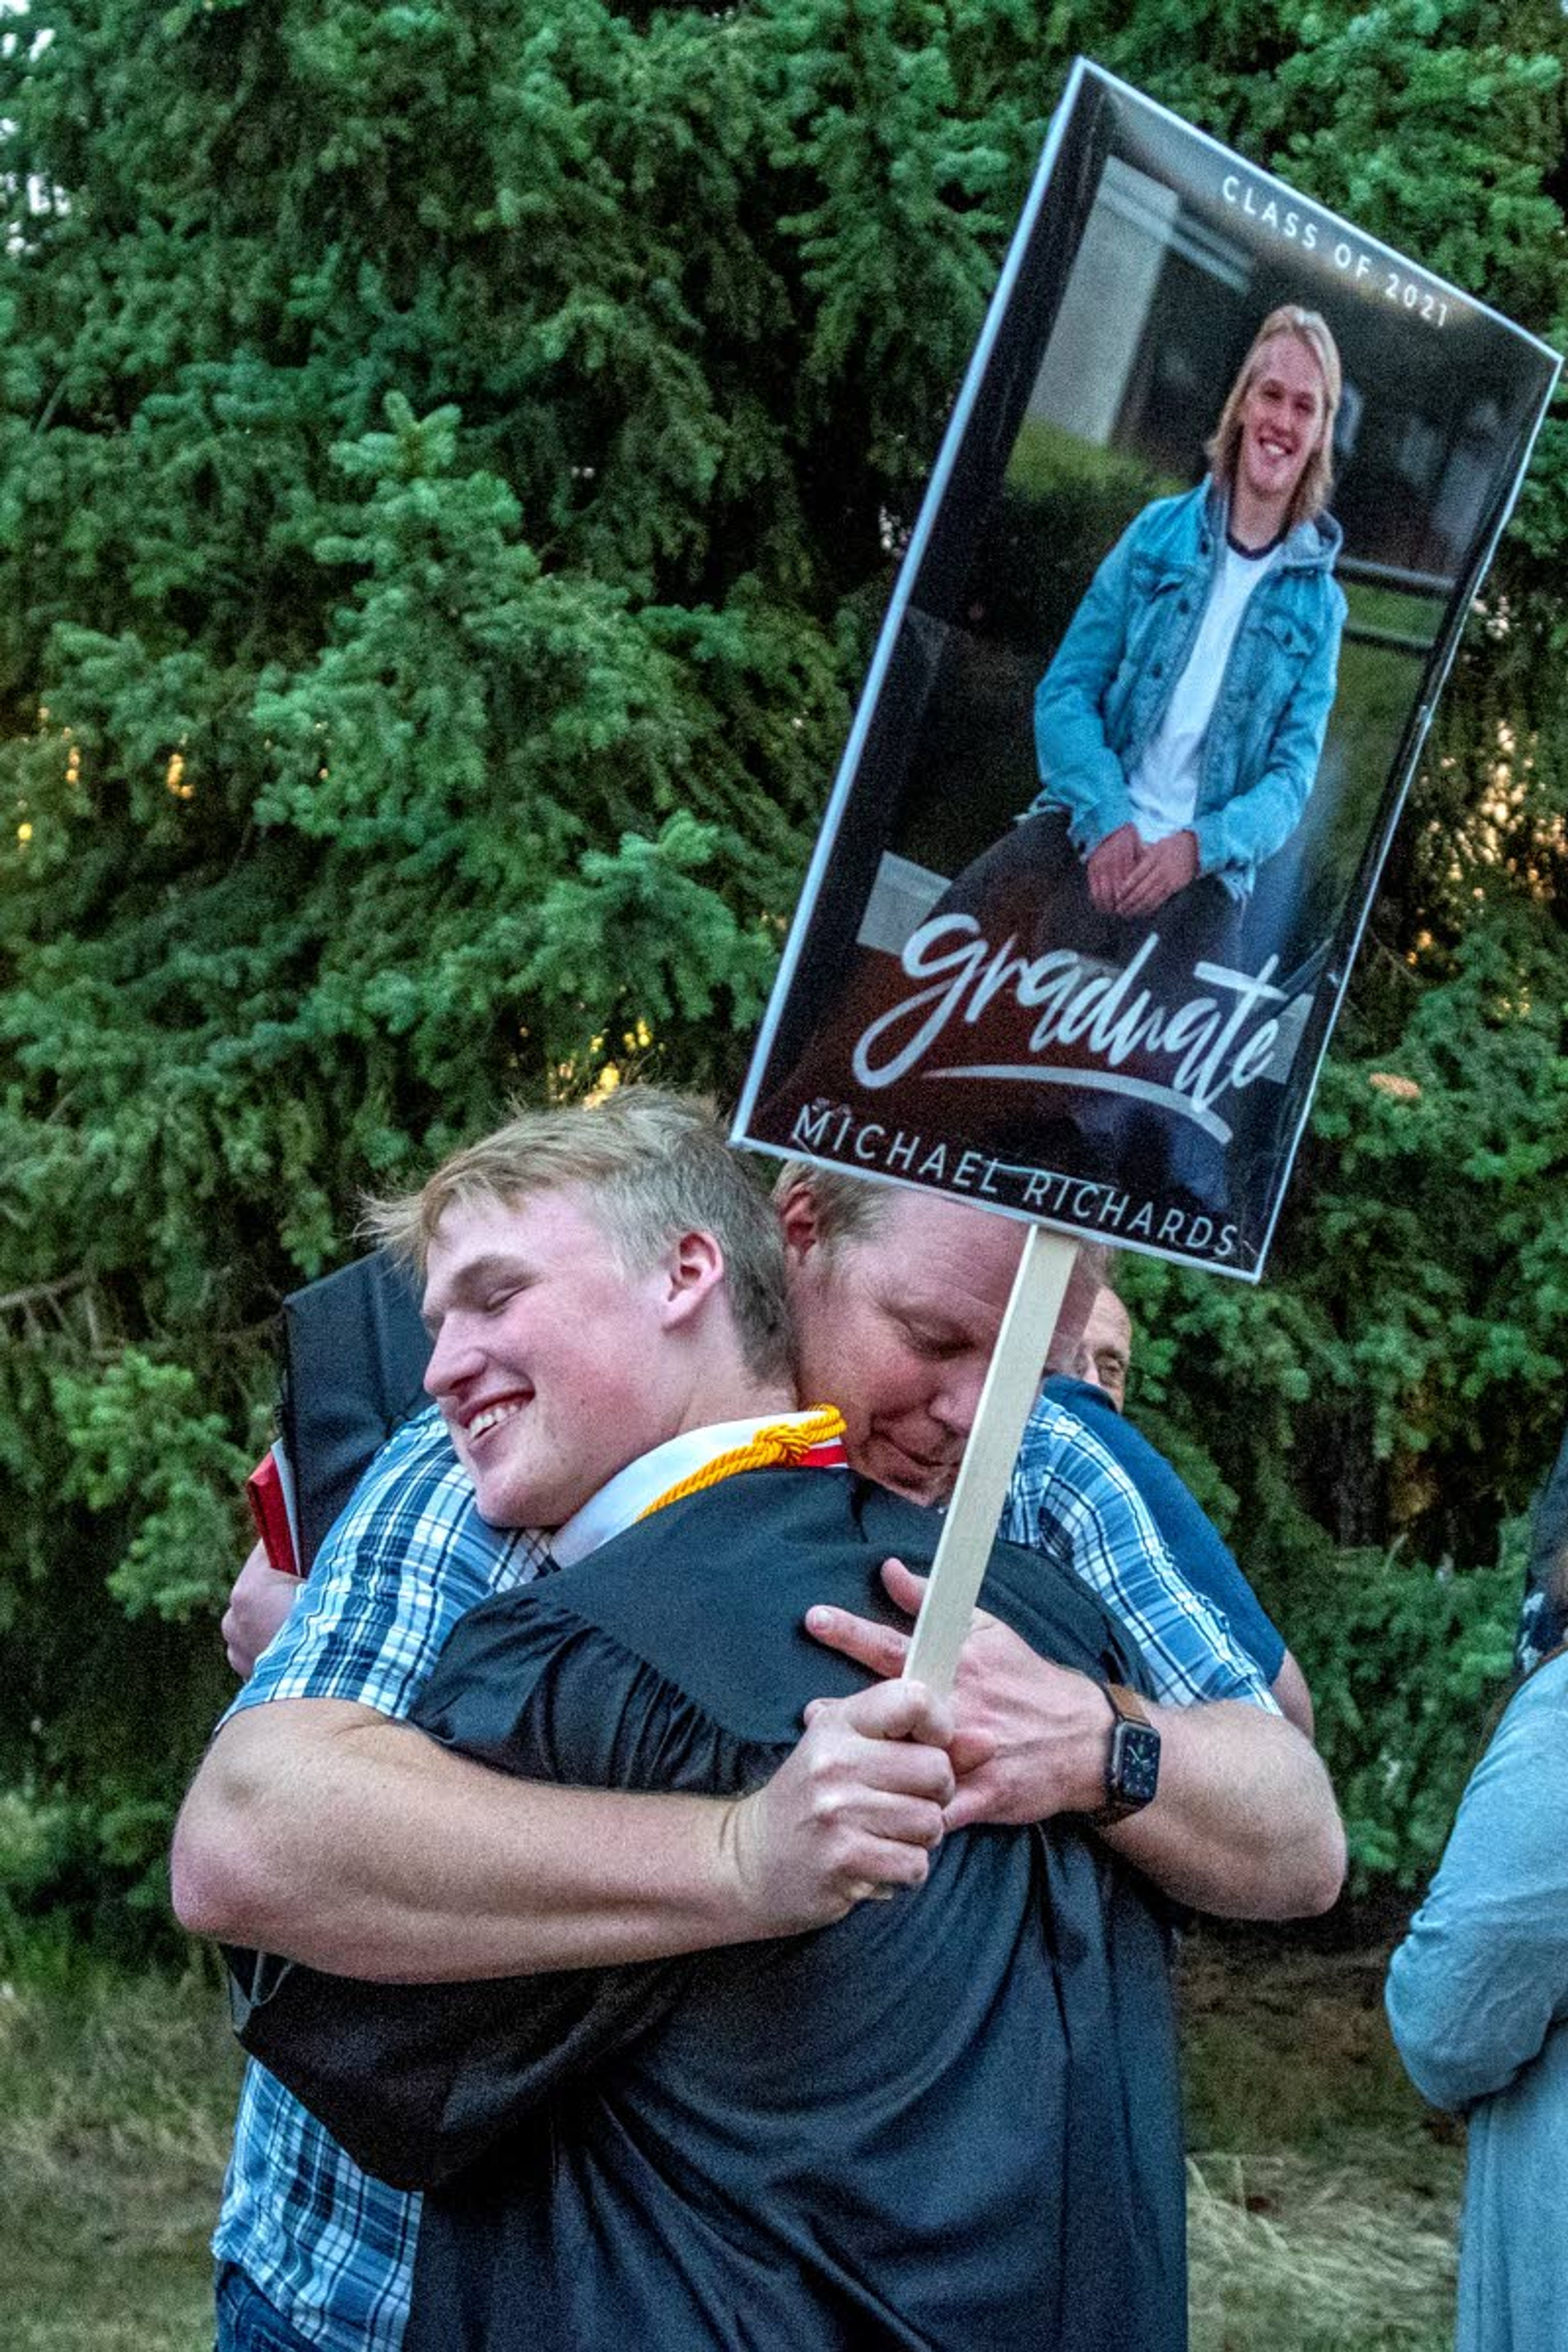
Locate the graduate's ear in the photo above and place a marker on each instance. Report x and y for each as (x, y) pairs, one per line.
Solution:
(693, 1268)
(799, 1218)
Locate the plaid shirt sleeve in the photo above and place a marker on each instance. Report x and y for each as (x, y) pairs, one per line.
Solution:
(1070, 1501)
(408, 1557)
(330, 2248)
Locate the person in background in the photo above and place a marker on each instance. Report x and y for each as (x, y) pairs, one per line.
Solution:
(1104, 1355)
(1543, 1614)
(1478, 1999)
(1088, 1377)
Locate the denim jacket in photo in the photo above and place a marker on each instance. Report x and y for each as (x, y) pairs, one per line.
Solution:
(1101, 703)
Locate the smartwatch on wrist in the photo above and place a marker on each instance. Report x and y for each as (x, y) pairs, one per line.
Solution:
(1132, 1768)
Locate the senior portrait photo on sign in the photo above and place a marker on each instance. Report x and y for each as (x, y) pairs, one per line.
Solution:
(1180, 726)
(1212, 509)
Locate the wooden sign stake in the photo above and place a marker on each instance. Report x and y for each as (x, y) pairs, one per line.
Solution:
(1011, 1387)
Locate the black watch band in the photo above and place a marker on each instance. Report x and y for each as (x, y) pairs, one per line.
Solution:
(1132, 1768)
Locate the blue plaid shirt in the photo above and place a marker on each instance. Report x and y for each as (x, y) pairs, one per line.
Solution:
(330, 2248)
(1070, 1500)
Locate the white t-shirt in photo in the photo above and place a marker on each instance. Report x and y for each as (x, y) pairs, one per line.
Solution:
(1163, 786)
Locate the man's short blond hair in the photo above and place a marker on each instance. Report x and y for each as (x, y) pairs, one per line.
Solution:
(852, 1209)
(848, 1208)
(650, 1166)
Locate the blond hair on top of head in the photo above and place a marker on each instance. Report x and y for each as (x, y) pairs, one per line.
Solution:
(650, 1166)
(848, 1208)
(1310, 328)
(856, 1209)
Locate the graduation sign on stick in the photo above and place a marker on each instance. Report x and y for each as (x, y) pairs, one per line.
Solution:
(1219, 490)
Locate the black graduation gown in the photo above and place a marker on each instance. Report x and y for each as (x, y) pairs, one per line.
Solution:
(352, 1353)
(952, 2120)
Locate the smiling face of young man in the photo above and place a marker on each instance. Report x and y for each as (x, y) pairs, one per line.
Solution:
(553, 1366)
(1283, 415)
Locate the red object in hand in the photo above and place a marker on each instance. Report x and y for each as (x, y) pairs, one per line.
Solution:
(266, 1492)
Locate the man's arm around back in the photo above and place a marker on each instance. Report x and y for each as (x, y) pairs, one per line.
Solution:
(1244, 1824)
(327, 1832)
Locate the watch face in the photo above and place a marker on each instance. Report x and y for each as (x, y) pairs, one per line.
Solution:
(1135, 1763)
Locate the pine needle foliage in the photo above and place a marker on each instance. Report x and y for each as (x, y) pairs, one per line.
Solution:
(449, 456)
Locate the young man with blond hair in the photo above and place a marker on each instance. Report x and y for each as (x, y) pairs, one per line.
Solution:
(913, 2127)
(897, 1298)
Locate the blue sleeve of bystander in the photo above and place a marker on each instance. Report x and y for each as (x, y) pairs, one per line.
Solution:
(1482, 1976)
(1187, 1532)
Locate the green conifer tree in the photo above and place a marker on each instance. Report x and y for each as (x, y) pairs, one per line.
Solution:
(451, 454)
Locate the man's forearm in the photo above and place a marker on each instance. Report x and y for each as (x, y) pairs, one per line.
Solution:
(356, 1843)
(328, 1833)
(1245, 1824)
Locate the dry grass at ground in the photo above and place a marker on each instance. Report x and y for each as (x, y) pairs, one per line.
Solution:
(1323, 2197)
(115, 2103)
(1322, 2194)
(1287, 2251)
